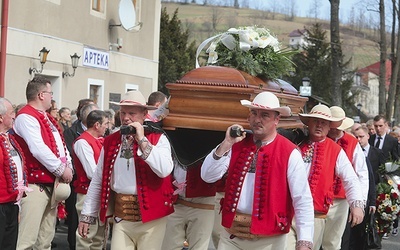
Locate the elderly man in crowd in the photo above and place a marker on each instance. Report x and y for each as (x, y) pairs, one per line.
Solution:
(13, 182)
(324, 159)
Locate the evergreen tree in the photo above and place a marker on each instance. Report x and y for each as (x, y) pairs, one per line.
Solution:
(176, 56)
(314, 61)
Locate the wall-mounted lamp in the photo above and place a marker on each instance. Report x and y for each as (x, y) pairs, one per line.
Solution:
(117, 45)
(43, 57)
(75, 61)
(305, 90)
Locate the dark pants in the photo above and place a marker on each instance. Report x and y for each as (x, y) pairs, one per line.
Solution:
(357, 236)
(72, 219)
(8, 226)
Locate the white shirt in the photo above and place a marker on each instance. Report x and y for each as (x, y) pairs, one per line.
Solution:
(180, 177)
(382, 140)
(29, 129)
(213, 170)
(123, 179)
(18, 163)
(366, 149)
(360, 166)
(85, 154)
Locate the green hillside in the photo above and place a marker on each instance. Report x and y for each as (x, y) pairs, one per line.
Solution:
(198, 19)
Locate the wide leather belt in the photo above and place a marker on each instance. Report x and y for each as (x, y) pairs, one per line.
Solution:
(320, 216)
(195, 205)
(127, 207)
(241, 228)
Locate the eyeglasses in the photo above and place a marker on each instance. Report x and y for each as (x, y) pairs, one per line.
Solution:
(48, 92)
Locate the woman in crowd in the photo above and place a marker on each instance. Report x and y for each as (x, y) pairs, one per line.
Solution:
(64, 118)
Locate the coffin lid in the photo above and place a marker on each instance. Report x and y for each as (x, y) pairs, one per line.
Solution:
(231, 77)
(206, 101)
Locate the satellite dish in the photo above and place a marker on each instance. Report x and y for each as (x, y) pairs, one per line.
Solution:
(127, 14)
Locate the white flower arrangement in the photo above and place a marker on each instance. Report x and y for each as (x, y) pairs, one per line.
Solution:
(387, 204)
(251, 49)
(249, 38)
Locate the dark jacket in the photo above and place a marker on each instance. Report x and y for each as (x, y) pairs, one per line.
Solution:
(390, 147)
(376, 158)
(372, 190)
(71, 134)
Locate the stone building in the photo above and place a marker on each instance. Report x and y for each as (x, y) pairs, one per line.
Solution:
(114, 58)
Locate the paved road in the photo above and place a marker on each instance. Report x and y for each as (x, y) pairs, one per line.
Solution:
(393, 243)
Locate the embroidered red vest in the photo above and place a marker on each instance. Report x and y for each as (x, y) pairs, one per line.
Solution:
(322, 173)
(348, 144)
(8, 172)
(195, 186)
(37, 173)
(272, 205)
(82, 182)
(154, 193)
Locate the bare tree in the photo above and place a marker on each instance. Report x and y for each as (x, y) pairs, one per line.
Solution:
(215, 18)
(232, 20)
(292, 6)
(352, 18)
(236, 4)
(274, 8)
(336, 54)
(314, 9)
(383, 57)
(395, 63)
(259, 5)
(360, 19)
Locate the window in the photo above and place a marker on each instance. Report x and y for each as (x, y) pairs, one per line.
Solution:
(130, 87)
(96, 5)
(96, 91)
(98, 8)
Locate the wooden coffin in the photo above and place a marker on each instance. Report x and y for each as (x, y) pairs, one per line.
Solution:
(208, 98)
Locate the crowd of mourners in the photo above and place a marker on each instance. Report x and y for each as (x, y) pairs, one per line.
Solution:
(114, 176)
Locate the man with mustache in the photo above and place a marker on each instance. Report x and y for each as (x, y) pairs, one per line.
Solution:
(323, 159)
(266, 183)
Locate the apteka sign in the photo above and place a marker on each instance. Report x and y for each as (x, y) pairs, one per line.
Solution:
(95, 58)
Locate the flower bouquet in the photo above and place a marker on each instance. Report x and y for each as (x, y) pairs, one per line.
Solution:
(387, 205)
(251, 49)
(391, 166)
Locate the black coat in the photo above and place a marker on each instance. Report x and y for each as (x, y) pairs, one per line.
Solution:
(390, 147)
(71, 134)
(376, 158)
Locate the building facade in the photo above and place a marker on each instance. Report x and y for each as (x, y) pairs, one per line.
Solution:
(366, 84)
(112, 60)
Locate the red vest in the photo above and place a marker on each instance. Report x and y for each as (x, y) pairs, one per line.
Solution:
(348, 144)
(8, 172)
(322, 173)
(195, 186)
(154, 193)
(272, 205)
(37, 173)
(82, 182)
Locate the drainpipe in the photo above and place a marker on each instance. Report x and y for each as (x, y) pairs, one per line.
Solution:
(3, 45)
